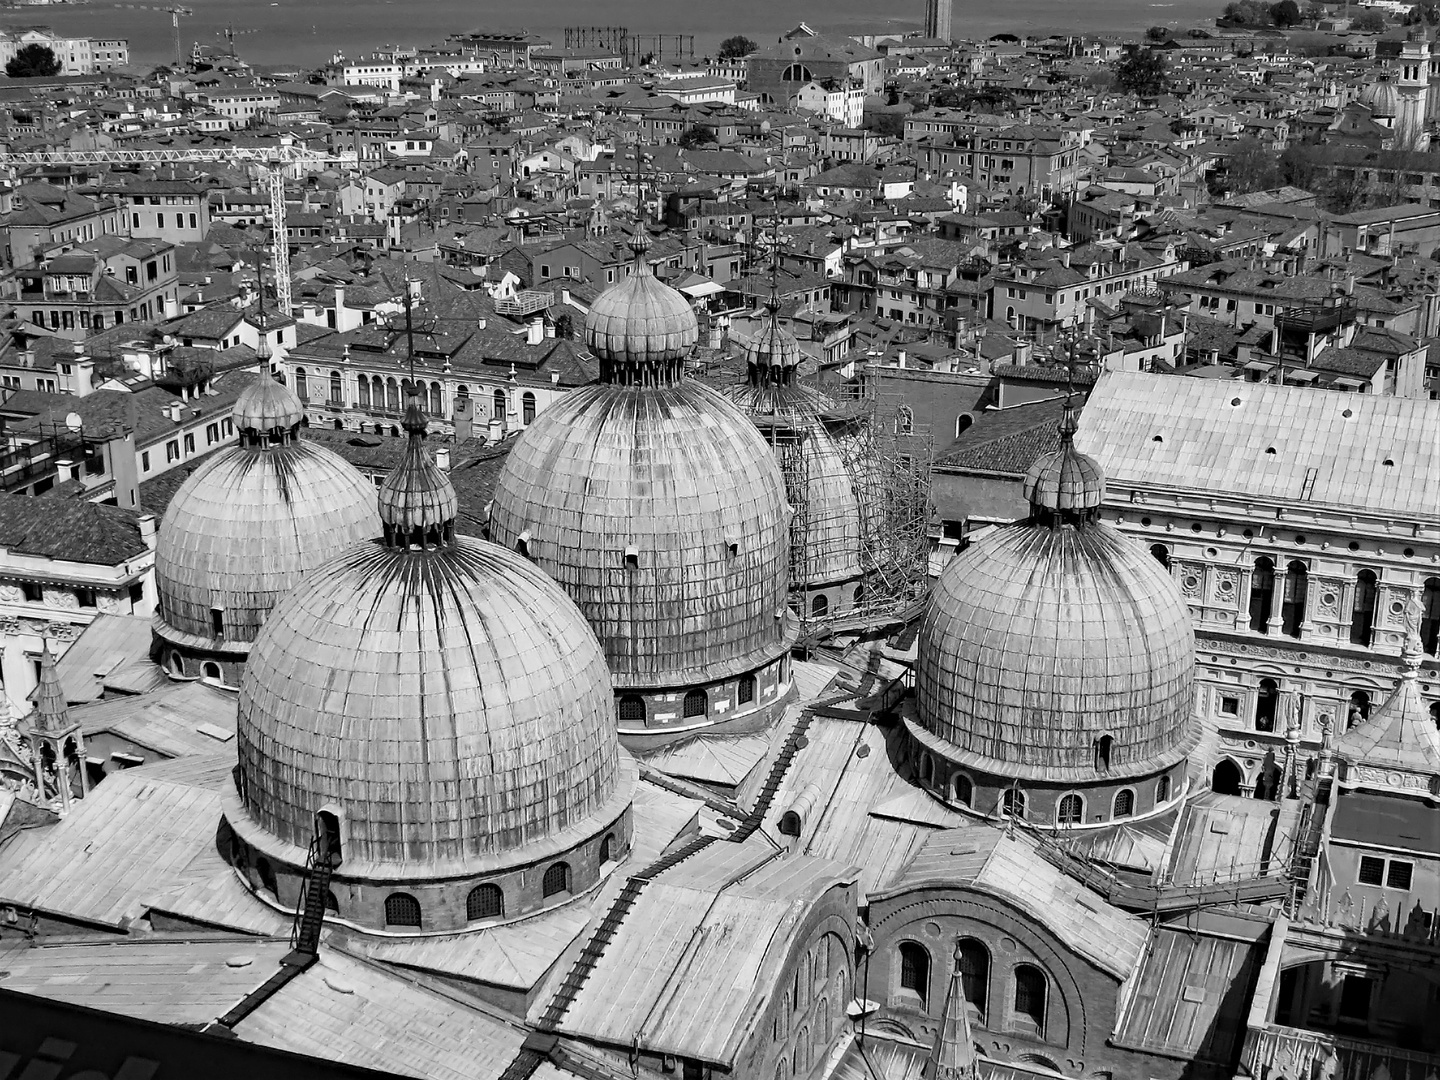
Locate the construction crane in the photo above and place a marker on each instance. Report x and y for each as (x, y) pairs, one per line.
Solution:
(272, 160)
(175, 11)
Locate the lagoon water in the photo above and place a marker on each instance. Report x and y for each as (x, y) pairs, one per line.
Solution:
(308, 32)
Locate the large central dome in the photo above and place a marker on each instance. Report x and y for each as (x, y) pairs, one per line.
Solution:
(659, 508)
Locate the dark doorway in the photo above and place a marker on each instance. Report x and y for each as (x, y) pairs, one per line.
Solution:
(1227, 778)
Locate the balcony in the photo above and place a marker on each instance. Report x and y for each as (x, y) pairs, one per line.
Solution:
(1315, 319)
(1275, 1050)
(525, 303)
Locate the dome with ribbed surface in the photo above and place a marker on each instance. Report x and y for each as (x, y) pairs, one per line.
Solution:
(267, 405)
(772, 351)
(1381, 99)
(641, 320)
(662, 512)
(416, 496)
(1050, 635)
(1065, 480)
(245, 527)
(450, 703)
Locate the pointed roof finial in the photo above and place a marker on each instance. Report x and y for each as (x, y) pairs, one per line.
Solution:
(952, 1057)
(52, 713)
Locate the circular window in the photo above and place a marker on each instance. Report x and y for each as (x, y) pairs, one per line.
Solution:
(1348, 413)
(1249, 534)
(1196, 527)
(1157, 438)
(1409, 553)
(1270, 450)
(1390, 462)
(1226, 586)
(1354, 546)
(1212, 552)
(1397, 607)
(1327, 598)
(1299, 539)
(1235, 401)
(1145, 522)
(1192, 582)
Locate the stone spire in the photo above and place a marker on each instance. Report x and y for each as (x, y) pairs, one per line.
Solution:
(52, 714)
(51, 728)
(953, 1055)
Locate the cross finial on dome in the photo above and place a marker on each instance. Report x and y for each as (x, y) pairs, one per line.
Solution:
(417, 501)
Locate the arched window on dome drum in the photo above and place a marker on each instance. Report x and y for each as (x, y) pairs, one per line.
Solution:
(362, 392)
(211, 670)
(437, 401)
(1292, 607)
(337, 391)
(497, 405)
(402, 909)
(1266, 702)
(745, 691)
(556, 880)
(177, 663)
(266, 874)
(964, 789)
(859, 595)
(962, 424)
(1012, 803)
(1070, 810)
(819, 606)
(1362, 615)
(927, 768)
(527, 408)
(975, 976)
(1162, 554)
(302, 388)
(1030, 999)
(1162, 790)
(915, 971)
(697, 703)
(332, 903)
(607, 849)
(1124, 803)
(632, 709)
(1104, 752)
(1430, 616)
(484, 902)
(1262, 595)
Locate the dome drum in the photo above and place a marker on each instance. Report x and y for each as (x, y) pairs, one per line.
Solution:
(455, 903)
(964, 783)
(749, 702)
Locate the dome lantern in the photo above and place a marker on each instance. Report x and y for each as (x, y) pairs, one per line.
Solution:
(1065, 487)
(267, 413)
(417, 502)
(641, 330)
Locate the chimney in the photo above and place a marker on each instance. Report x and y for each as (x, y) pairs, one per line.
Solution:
(175, 411)
(1020, 355)
(535, 331)
(480, 323)
(902, 358)
(147, 529)
(442, 458)
(1065, 258)
(464, 413)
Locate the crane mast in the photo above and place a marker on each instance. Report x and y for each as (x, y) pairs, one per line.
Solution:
(272, 160)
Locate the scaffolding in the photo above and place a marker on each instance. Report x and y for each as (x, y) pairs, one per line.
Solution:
(857, 476)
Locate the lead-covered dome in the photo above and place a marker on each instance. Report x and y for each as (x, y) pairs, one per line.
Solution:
(657, 506)
(1056, 648)
(1381, 98)
(252, 520)
(442, 697)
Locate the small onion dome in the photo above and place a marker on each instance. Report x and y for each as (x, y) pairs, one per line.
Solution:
(248, 523)
(443, 696)
(773, 355)
(267, 405)
(1050, 635)
(1065, 481)
(662, 512)
(640, 329)
(1381, 99)
(417, 500)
